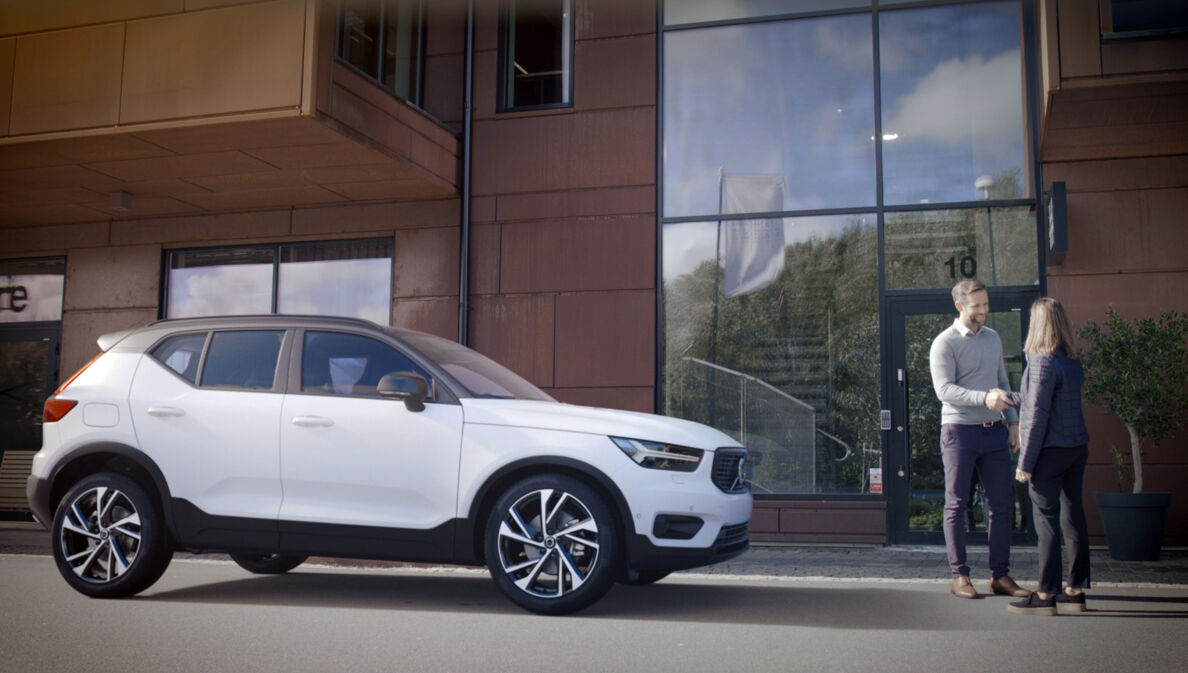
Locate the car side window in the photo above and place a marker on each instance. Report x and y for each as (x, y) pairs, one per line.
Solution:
(350, 364)
(244, 359)
(181, 353)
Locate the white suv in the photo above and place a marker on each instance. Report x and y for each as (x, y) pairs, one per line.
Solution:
(274, 438)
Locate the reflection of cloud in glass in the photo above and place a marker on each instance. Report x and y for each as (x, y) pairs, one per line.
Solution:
(234, 289)
(790, 98)
(43, 298)
(963, 100)
(358, 288)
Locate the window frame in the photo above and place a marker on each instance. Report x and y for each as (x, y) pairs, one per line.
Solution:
(505, 82)
(277, 250)
(416, 96)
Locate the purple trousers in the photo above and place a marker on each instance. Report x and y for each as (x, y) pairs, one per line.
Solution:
(965, 448)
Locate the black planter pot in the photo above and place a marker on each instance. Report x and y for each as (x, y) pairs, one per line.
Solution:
(1133, 523)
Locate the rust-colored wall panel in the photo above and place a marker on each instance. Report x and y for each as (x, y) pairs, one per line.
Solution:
(1134, 295)
(1080, 39)
(516, 331)
(596, 149)
(819, 521)
(202, 229)
(1147, 55)
(1126, 231)
(437, 316)
(32, 16)
(67, 80)
(7, 56)
(241, 58)
(1119, 174)
(484, 259)
(615, 73)
(585, 254)
(426, 262)
(375, 217)
(605, 339)
(92, 285)
(1116, 141)
(627, 399)
(585, 203)
(614, 18)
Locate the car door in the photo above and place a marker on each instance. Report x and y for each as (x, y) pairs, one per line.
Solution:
(350, 457)
(206, 408)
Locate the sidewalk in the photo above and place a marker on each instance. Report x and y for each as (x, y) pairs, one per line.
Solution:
(869, 563)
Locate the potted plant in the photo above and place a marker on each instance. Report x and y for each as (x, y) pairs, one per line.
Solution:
(1134, 369)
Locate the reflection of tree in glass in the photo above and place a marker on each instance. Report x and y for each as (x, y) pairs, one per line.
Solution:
(22, 392)
(813, 335)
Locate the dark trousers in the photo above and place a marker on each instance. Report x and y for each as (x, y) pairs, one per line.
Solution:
(1057, 486)
(965, 448)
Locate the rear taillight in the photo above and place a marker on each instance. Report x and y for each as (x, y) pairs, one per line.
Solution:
(55, 408)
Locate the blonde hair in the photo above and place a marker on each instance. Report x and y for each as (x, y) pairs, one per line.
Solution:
(1050, 329)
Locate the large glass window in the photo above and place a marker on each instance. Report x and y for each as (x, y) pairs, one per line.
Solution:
(787, 365)
(384, 39)
(937, 248)
(342, 278)
(31, 290)
(535, 54)
(953, 109)
(788, 99)
(697, 11)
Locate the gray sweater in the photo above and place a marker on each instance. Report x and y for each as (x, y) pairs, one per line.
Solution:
(965, 365)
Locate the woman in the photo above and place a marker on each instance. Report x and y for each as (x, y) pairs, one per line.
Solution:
(1054, 446)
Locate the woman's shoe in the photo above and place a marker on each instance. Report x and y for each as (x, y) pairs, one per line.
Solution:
(1034, 605)
(1066, 602)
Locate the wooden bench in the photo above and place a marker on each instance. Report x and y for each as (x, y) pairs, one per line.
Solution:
(14, 470)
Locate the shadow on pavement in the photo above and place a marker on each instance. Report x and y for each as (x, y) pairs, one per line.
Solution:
(842, 608)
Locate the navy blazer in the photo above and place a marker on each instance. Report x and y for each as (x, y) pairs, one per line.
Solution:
(1050, 406)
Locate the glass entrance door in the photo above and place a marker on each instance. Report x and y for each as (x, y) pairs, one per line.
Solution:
(916, 483)
(28, 374)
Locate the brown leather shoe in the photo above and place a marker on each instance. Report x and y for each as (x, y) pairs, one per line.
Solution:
(1005, 586)
(962, 587)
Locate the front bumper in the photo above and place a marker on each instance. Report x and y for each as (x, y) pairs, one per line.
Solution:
(643, 554)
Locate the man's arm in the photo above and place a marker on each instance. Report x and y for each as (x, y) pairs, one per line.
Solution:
(943, 365)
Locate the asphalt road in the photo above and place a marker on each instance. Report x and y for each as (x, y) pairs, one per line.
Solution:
(211, 616)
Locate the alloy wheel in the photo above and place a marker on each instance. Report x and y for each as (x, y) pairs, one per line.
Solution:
(101, 534)
(548, 543)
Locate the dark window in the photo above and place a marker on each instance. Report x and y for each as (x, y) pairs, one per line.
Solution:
(1149, 16)
(384, 39)
(182, 354)
(242, 359)
(349, 364)
(535, 54)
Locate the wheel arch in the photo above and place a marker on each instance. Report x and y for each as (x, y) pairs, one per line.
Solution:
(110, 457)
(469, 535)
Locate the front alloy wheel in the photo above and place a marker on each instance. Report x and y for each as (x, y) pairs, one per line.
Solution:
(552, 545)
(107, 537)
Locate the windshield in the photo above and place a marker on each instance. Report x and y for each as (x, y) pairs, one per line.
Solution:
(482, 376)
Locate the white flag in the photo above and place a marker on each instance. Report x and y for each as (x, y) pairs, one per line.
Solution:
(753, 249)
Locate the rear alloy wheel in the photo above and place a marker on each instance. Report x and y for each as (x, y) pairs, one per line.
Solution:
(268, 564)
(552, 545)
(108, 538)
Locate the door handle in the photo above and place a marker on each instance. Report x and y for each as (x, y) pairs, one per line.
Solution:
(165, 412)
(312, 421)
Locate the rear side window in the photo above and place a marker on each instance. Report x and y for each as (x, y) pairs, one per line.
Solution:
(349, 364)
(182, 354)
(244, 359)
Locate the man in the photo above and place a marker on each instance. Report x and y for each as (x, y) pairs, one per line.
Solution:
(967, 368)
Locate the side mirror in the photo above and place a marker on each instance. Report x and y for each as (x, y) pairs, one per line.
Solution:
(407, 386)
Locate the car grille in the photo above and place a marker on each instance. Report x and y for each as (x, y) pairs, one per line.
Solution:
(729, 465)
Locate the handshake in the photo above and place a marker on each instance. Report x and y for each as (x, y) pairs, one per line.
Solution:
(998, 399)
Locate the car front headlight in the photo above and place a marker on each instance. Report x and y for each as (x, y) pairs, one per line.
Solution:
(659, 456)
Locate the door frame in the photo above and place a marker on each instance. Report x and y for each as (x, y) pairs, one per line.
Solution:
(38, 331)
(895, 307)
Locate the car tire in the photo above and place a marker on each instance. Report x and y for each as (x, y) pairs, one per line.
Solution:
(268, 564)
(642, 578)
(563, 565)
(109, 538)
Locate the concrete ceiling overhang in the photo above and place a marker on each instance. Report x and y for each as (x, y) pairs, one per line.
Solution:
(202, 167)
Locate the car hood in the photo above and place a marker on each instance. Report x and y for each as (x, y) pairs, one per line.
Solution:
(593, 420)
